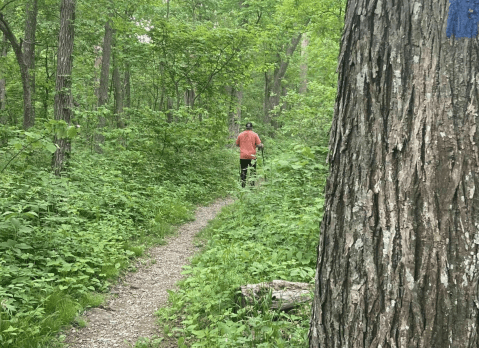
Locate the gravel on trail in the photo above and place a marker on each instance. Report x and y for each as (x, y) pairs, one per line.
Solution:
(129, 312)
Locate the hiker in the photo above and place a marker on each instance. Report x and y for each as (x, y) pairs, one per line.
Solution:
(248, 141)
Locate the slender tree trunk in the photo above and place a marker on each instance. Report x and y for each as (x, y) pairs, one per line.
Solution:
(236, 100)
(17, 49)
(127, 86)
(267, 91)
(3, 99)
(63, 96)
(104, 83)
(117, 93)
(398, 256)
(169, 112)
(303, 69)
(239, 97)
(273, 89)
(105, 65)
(29, 56)
(189, 97)
(48, 75)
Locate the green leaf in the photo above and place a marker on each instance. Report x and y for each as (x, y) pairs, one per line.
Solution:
(72, 132)
(51, 147)
(10, 329)
(23, 246)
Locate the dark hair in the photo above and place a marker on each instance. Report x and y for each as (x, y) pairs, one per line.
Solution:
(249, 125)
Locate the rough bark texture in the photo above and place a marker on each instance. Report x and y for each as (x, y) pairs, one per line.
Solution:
(398, 256)
(63, 96)
(29, 56)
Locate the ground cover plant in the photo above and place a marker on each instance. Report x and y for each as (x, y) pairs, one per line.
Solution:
(64, 239)
(269, 233)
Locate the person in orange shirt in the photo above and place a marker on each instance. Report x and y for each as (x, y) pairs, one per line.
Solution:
(248, 141)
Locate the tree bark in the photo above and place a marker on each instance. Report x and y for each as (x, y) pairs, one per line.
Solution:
(398, 256)
(29, 56)
(63, 85)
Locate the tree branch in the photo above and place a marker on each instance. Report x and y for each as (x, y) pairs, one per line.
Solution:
(21, 150)
(5, 28)
(6, 4)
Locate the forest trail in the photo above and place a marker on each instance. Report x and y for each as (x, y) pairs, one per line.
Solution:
(129, 313)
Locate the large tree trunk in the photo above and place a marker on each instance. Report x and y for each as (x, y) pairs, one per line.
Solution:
(29, 56)
(63, 96)
(398, 256)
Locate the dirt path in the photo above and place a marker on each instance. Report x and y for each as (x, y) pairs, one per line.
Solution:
(129, 314)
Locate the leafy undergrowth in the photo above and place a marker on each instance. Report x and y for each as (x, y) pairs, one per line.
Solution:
(270, 232)
(63, 240)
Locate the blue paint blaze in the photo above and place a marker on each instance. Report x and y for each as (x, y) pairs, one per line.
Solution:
(463, 18)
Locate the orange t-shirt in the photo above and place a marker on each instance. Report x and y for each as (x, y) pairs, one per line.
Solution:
(247, 142)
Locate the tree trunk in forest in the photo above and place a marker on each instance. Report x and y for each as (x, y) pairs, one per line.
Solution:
(29, 56)
(105, 65)
(127, 86)
(169, 110)
(24, 73)
(236, 100)
(190, 97)
(63, 96)
(118, 94)
(239, 97)
(3, 87)
(273, 90)
(398, 256)
(104, 83)
(303, 69)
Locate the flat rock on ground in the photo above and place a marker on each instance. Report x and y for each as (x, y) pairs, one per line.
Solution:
(129, 313)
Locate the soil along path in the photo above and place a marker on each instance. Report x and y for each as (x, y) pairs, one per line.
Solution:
(129, 314)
